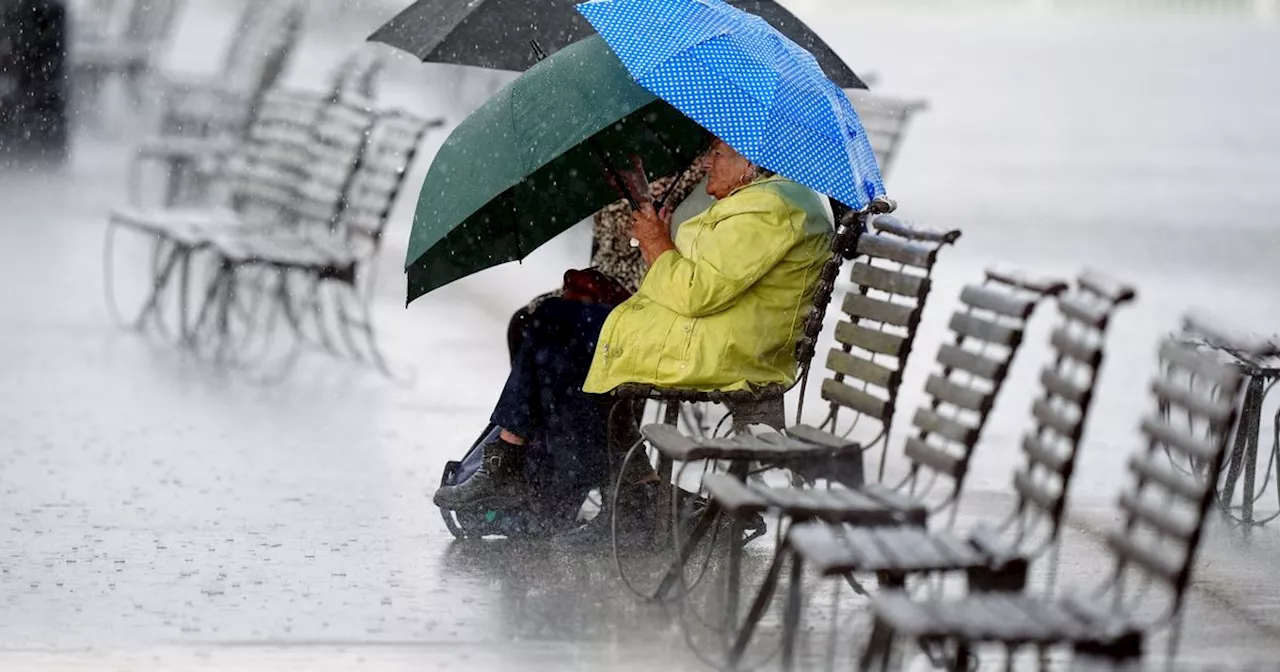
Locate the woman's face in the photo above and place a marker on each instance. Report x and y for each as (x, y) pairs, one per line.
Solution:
(726, 170)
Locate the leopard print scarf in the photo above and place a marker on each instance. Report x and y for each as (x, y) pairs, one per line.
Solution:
(612, 253)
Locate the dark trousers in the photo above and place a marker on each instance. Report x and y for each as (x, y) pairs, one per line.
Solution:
(543, 402)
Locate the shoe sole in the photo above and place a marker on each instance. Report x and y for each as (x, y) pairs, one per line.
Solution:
(493, 503)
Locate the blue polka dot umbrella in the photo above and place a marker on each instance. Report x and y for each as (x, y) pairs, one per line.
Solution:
(741, 79)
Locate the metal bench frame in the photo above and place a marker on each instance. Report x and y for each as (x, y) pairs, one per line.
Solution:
(301, 265)
(891, 242)
(1260, 364)
(241, 299)
(202, 120)
(1163, 515)
(259, 180)
(961, 395)
(278, 141)
(129, 55)
(994, 557)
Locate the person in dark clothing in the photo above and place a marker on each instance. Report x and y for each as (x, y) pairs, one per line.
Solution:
(543, 396)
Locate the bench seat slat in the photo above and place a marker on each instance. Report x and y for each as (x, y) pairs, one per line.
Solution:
(1164, 434)
(1086, 353)
(855, 399)
(862, 369)
(897, 227)
(1003, 303)
(897, 249)
(810, 434)
(913, 510)
(937, 459)
(1078, 308)
(893, 282)
(1106, 287)
(930, 421)
(1157, 517)
(1143, 555)
(879, 310)
(1041, 453)
(1061, 386)
(1202, 365)
(871, 340)
(1179, 484)
(734, 495)
(952, 392)
(1055, 419)
(972, 326)
(1215, 411)
(1035, 493)
(954, 357)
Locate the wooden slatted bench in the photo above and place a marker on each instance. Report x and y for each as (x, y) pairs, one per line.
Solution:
(311, 185)
(202, 128)
(260, 179)
(989, 324)
(880, 245)
(336, 248)
(995, 556)
(1163, 511)
(128, 55)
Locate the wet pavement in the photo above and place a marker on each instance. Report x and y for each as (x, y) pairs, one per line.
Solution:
(160, 514)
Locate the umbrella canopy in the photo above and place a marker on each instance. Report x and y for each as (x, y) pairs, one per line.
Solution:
(496, 33)
(530, 162)
(749, 85)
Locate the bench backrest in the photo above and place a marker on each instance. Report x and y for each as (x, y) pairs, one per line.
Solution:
(357, 74)
(264, 173)
(301, 150)
(151, 22)
(987, 333)
(262, 46)
(370, 194)
(1175, 476)
(1059, 413)
(336, 143)
(885, 120)
(893, 264)
(94, 18)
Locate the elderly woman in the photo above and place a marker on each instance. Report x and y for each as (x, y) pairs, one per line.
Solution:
(720, 308)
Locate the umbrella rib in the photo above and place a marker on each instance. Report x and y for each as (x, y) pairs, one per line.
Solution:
(524, 170)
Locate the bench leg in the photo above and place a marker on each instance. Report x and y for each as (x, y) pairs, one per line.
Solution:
(667, 490)
(964, 653)
(674, 572)
(791, 617)
(758, 607)
(879, 652)
(738, 469)
(734, 582)
(162, 272)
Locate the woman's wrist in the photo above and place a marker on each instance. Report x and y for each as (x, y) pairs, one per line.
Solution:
(654, 246)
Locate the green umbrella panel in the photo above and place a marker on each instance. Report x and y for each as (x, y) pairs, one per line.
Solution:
(529, 163)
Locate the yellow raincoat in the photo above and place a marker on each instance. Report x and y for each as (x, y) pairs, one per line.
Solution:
(724, 309)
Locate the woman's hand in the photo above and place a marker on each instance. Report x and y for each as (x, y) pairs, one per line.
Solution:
(653, 229)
